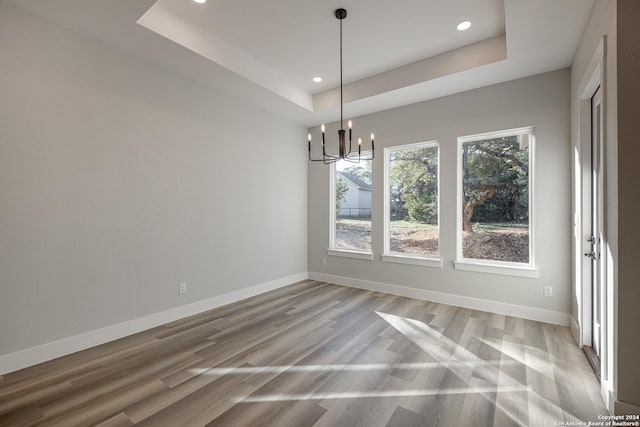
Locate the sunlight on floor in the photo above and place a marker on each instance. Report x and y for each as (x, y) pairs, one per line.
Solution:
(441, 348)
(374, 394)
(489, 379)
(243, 370)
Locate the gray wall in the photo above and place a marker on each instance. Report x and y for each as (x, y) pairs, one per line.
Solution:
(119, 180)
(616, 19)
(602, 22)
(541, 101)
(628, 54)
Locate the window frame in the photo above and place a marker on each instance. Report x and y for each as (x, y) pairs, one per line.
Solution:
(494, 266)
(333, 250)
(401, 257)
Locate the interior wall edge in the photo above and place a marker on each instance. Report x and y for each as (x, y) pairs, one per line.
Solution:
(45, 352)
(575, 330)
(529, 313)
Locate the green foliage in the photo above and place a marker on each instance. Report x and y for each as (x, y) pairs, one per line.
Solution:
(422, 208)
(362, 170)
(341, 191)
(414, 185)
(497, 163)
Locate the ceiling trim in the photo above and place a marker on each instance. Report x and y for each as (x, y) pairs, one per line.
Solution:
(175, 28)
(454, 61)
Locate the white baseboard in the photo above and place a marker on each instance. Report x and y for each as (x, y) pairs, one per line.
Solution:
(525, 312)
(42, 353)
(575, 331)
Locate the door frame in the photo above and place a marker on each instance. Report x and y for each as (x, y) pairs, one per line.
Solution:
(594, 77)
(593, 219)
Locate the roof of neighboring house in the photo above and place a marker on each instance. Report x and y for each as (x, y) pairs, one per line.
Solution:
(357, 181)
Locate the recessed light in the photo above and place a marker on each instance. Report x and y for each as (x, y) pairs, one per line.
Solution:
(200, 1)
(464, 25)
(317, 79)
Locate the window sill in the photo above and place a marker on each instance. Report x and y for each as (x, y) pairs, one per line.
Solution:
(507, 270)
(350, 254)
(400, 258)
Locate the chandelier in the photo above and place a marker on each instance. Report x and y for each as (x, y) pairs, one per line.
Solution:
(345, 152)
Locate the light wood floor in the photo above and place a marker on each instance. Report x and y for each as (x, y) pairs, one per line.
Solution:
(316, 354)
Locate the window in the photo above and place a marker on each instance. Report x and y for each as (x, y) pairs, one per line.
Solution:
(495, 199)
(351, 208)
(411, 204)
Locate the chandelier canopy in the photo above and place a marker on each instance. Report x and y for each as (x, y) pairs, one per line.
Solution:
(345, 152)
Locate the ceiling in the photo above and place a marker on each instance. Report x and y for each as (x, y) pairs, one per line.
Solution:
(394, 53)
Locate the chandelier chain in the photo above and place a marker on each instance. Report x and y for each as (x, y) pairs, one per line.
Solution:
(344, 148)
(341, 101)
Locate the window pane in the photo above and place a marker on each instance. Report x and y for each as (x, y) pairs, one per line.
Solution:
(353, 205)
(495, 205)
(413, 200)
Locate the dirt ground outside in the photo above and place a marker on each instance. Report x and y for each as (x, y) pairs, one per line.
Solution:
(499, 242)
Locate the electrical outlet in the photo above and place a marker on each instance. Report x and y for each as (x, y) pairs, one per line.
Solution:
(548, 291)
(182, 288)
(324, 261)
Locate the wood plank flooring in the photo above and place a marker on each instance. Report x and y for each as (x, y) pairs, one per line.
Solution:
(316, 354)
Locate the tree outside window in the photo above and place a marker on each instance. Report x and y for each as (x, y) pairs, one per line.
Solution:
(495, 197)
(412, 205)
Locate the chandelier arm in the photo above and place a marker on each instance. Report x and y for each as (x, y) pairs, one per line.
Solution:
(327, 160)
(330, 160)
(344, 153)
(324, 156)
(352, 160)
(315, 160)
